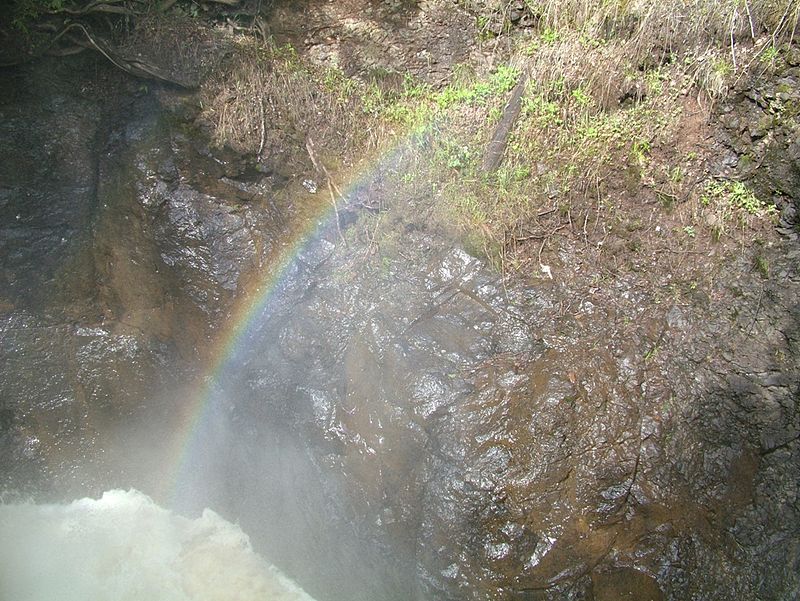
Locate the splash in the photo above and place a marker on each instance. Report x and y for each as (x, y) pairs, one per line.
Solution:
(124, 547)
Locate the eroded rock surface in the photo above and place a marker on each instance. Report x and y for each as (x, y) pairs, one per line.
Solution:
(380, 40)
(760, 137)
(124, 240)
(542, 441)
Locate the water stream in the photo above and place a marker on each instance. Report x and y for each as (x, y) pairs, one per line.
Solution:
(124, 547)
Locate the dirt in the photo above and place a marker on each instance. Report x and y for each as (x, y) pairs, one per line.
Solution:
(379, 40)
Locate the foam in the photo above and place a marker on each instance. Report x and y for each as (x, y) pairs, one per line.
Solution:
(124, 547)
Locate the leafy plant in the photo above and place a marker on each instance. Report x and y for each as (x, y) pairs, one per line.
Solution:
(582, 97)
(549, 36)
(738, 196)
(769, 55)
(762, 266)
(640, 149)
(502, 80)
(25, 11)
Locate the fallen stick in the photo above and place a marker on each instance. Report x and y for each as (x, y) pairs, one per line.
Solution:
(497, 146)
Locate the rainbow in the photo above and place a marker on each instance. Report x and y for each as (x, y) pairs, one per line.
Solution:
(196, 415)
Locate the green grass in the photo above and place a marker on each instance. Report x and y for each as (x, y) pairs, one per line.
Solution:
(602, 101)
(738, 196)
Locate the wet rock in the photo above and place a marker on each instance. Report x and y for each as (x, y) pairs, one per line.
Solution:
(46, 206)
(625, 584)
(437, 432)
(760, 128)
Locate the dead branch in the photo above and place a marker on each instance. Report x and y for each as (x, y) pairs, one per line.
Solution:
(132, 65)
(497, 146)
(319, 166)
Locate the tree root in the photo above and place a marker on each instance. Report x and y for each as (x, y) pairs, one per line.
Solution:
(133, 66)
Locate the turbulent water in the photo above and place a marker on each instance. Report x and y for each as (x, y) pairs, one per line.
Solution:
(125, 547)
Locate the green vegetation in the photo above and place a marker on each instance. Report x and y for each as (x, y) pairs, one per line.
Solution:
(608, 143)
(725, 203)
(738, 196)
(761, 265)
(608, 153)
(23, 12)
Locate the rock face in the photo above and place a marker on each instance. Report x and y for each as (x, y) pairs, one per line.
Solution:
(123, 242)
(538, 441)
(761, 137)
(399, 421)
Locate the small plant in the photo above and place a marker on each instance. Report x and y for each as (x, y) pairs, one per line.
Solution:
(690, 231)
(769, 55)
(507, 176)
(485, 32)
(337, 83)
(546, 112)
(655, 79)
(413, 88)
(762, 266)
(676, 174)
(502, 80)
(372, 100)
(386, 266)
(549, 36)
(741, 197)
(640, 150)
(725, 200)
(455, 156)
(590, 42)
(738, 196)
(582, 97)
(722, 68)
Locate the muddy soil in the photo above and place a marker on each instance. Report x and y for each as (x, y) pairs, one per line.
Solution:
(403, 422)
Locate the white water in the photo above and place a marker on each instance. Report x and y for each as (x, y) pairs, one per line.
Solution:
(124, 547)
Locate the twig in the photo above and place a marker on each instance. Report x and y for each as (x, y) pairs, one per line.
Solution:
(503, 271)
(368, 252)
(132, 66)
(734, 16)
(628, 492)
(263, 126)
(336, 212)
(750, 20)
(665, 194)
(541, 236)
(757, 312)
(319, 166)
(541, 248)
(780, 23)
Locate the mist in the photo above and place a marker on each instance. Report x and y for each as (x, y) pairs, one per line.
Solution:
(124, 547)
